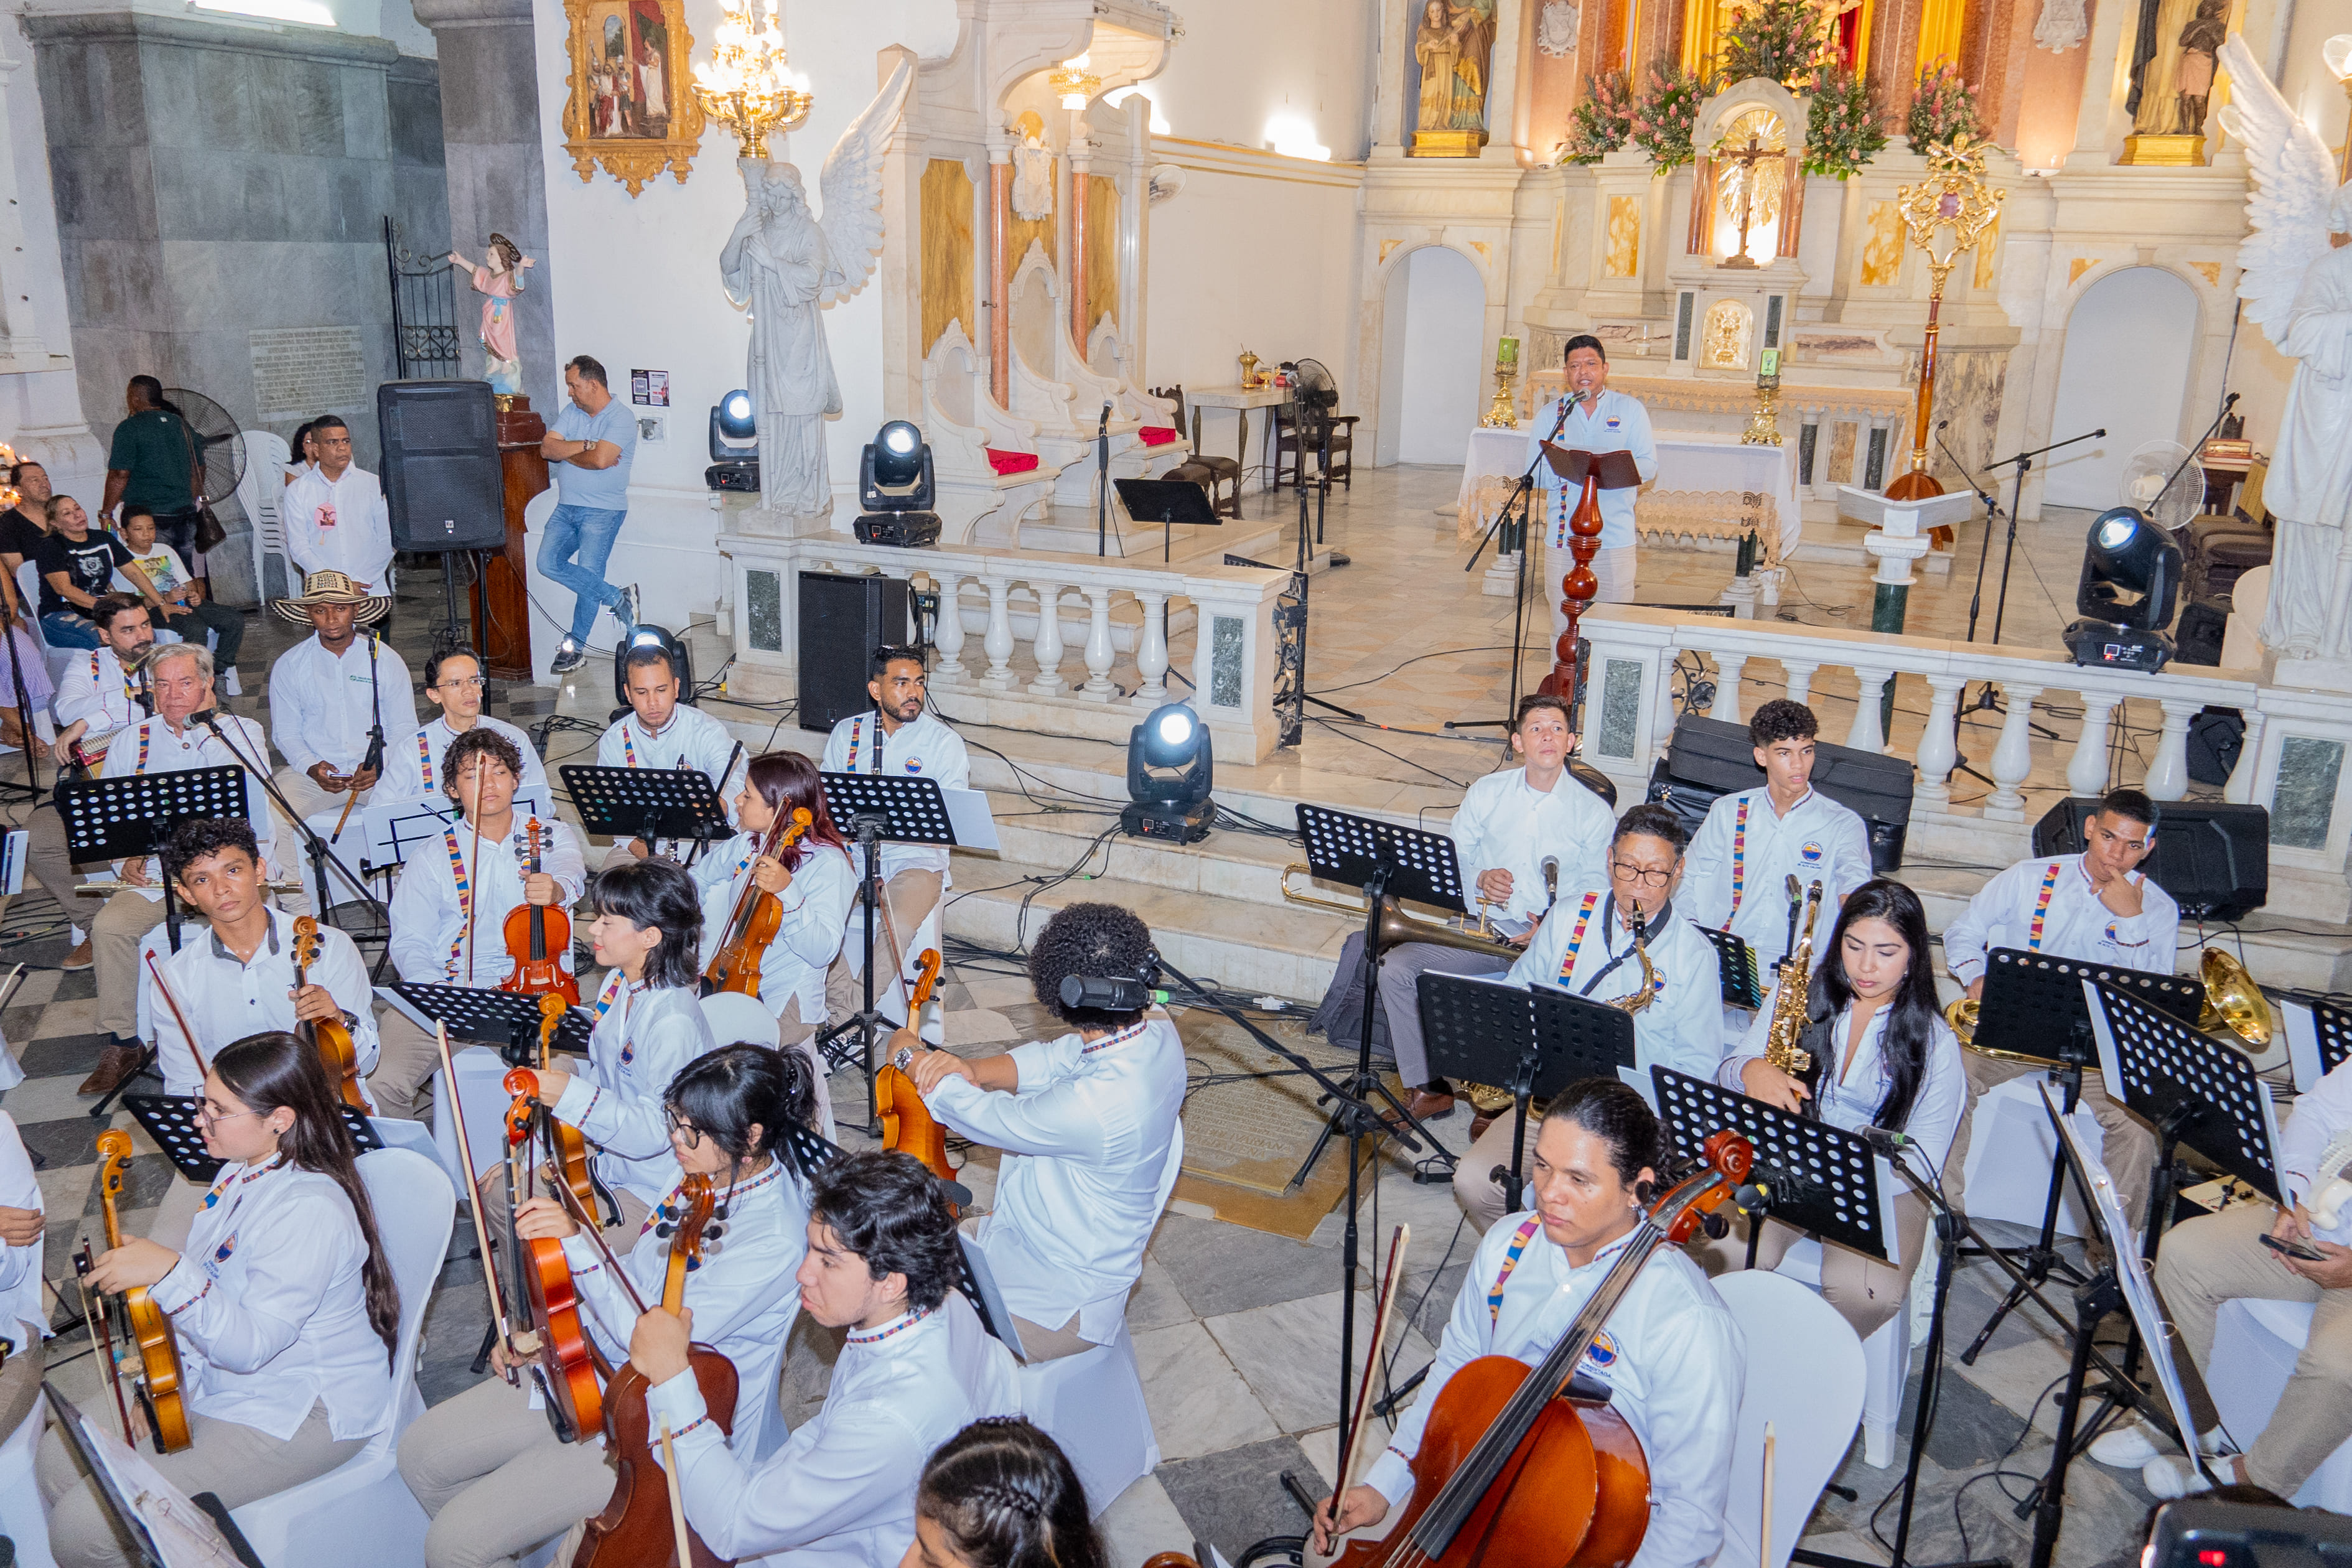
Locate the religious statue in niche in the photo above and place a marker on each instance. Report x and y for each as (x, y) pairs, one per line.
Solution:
(1723, 341)
(1033, 172)
(2172, 65)
(1451, 46)
(1556, 28)
(786, 263)
(498, 280)
(1750, 164)
(2192, 81)
(2298, 285)
(2063, 24)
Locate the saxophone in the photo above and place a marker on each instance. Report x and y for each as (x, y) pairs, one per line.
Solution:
(1788, 1005)
(1647, 992)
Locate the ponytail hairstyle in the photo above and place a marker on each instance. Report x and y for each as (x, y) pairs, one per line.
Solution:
(787, 780)
(1005, 1496)
(1911, 1013)
(267, 1070)
(1616, 1113)
(725, 1094)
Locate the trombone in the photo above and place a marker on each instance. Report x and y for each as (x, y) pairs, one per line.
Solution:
(1397, 927)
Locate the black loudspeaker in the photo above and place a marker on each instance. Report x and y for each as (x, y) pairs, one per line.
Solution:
(2214, 859)
(2198, 637)
(843, 620)
(2216, 736)
(1710, 758)
(441, 478)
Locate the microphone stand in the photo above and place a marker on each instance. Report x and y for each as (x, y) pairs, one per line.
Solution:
(2022, 462)
(320, 853)
(1523, 497)
(1102, 484)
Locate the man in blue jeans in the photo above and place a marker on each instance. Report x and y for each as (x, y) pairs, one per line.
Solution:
(590, 444)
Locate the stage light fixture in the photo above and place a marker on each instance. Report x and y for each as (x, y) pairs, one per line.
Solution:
(1171, 771)
(2131, 580)
(895, 486)
(734, 443)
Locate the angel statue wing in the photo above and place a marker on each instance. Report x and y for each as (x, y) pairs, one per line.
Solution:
(852, 186)
(2287, 201)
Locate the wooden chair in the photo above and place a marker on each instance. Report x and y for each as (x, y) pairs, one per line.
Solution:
(1207, 471)
(1343, 447)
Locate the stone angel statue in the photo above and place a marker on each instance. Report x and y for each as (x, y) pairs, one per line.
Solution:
(2298, 288)
(786, 263)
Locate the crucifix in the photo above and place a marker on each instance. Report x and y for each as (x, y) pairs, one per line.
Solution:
(1744, 181)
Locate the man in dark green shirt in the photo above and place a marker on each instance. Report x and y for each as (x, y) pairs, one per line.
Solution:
(152, 465)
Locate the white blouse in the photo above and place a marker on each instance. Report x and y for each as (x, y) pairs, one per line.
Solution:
(817, 914)
(642, 1038)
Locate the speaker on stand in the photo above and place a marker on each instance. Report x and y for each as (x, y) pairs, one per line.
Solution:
(842, 619)
(442, 482)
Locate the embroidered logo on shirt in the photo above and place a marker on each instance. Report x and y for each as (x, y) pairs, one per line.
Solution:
(1602, 1351)
(1811, 852)
(1612, 424)
(2111, 932)
(220, 1253)
(913, 764)
(325, 516)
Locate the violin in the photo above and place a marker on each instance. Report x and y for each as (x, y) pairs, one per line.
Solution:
(570, 1144)
(157, 1384)
(643, 1525)
(908, 1126)
(330, 1039)
(1517, 1471)
(535, 934)
(556, 1339)
(758, 916)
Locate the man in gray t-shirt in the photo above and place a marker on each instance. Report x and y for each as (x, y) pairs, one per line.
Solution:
(590, 445)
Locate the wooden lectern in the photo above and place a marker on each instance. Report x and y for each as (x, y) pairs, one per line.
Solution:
(502, 589)
(1595, 471)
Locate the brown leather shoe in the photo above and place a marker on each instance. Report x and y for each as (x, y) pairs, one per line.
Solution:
(1425, 1105)
(115, 1063)
(78, 958)
(1478, 1125)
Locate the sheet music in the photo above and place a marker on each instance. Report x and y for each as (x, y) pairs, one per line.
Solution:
(394, 827)
(968, 813)
(183, 1534)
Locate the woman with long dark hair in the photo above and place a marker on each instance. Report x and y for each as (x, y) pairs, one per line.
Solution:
(283, 1302)
(1882, 1057)
(815, 881)
(1001, 1494)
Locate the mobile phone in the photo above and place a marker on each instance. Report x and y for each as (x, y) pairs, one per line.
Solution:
(2293, 1248)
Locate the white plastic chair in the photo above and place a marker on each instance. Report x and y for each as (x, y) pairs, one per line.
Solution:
(2010, 1150)
(1887, 1357)
(28, 590)
(1805, 1375)
(1092, 1404)
(23, 1518)
(2255, 1345)
(734, 1017)
(362, 1512)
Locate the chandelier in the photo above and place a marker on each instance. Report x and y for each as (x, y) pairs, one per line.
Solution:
(746, 84)
(1071, 82)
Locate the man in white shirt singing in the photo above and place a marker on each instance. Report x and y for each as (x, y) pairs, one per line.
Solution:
(900, 736)
(660, 731)
(412, 765)
(1588, 418)
(332, 694)
(2095, 907)
(1088, 1124)
(336, 519)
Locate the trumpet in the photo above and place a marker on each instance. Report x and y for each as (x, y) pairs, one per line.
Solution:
(1396, 927)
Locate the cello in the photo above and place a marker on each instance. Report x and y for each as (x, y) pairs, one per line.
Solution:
(142, 1323)
(1516, 1470)
(757, 917)
(568, 1360)
(331, 1037)
(907, 1127)
(535, 934)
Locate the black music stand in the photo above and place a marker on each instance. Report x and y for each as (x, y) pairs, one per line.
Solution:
(1166, 502)
(875, 807)
(651, 803)
(507, 1021)
(1743, 985)
(2318, 1030)
(170, 1120)
(1833, 1186)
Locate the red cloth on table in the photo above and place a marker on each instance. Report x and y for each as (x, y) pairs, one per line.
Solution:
(1156, 434)
(1011, 462)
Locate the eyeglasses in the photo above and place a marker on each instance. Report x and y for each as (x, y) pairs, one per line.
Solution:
(206, 1116)
(1632, 873)
(472, 680)
(684, 1131)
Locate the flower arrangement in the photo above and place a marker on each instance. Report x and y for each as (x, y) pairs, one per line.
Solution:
(1665, 116)
(1846, 127)
(1942, 109)
(1780, 41)
(1602, 121)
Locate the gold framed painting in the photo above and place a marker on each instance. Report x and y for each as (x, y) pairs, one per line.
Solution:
(632, 107)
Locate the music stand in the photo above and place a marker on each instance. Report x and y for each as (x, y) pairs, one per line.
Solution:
(651, 803)
(879, 807)
(1743, 983)
(507, 1021)
(1832, 1183)
(1166, 502)
(393, 826)
(170, 1120)
(120, 1469)
(2318, 1035)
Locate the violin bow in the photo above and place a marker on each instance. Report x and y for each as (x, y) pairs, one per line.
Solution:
(481, 1231)
(202, 1067)
(1392, 1280)
(473, 871)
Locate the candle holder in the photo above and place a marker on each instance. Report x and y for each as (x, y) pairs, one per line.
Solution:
(1505, 412)
(748, 84)
(1764, 426)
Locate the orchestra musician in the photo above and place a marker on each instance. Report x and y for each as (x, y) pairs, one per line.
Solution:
(330, 691)
(2095, 907)
(182, 735)
(450, 905)
(1089, 1126)
(897, 736)
(1671, 1353)
(282, 1300)
(1001, 1494)
(1509, 824)
(24, 1315)
(661, 732)
(814, 882)
(916, 1367)
(1882, 1057)
(411, 764)
(486, 1466)
(1586, 948)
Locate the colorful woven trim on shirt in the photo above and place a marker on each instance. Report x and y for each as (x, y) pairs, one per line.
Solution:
(1119, 1038)
(887, 1330)
(146, 732)
(605, 998)
(856, 730)
(465, 898)
(425, 758)
(235, 1178)
(1576, 937)
(1526, 1232)
(1738, 859)
(2041, 905)
(666, 1211)
(628, 747)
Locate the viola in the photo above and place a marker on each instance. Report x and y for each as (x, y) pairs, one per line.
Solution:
(139, 1322)
(556, 1340)
(908, 1126)
(535, 934)
(758, 916)
(1515, 1470)
(643, 1525)
(571, 1145)
(330, 1039)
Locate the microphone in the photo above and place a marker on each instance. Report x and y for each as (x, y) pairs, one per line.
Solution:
(1551, 881)
(1111, 993)
(1885, 1141)
(2229, 403)
(1942, 424)
(1105, 425)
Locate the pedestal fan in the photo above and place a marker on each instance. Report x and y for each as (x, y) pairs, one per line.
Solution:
(219, 454)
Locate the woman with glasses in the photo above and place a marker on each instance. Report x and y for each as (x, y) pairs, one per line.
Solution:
(486, 1466)
(282, 1300)
(813, 881)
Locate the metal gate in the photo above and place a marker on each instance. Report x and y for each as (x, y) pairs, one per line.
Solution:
(424, 310)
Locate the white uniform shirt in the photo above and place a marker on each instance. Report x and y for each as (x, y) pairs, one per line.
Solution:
(1749, 864)
(226, 1000)
(24, 1317)
(925, 748)
(2317, 1118)
(93, 687)
(339, 525)
(743, 1296)
(428, 917)
(1503, 825)
(411, 767)
(1617, 423)
(2075, 925)
(640, 1041)
(150, 747)
(321, 706)
(841, 1491)
(1851, 1099)
(816, 911)
(1093, 1143)
(270, 1308)
(1683, 1028)
(1673, 1356)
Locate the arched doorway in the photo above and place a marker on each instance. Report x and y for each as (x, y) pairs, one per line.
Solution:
(1432, 338)
(2125, 368)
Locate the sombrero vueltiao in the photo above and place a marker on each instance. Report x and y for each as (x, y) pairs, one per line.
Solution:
(332, 588)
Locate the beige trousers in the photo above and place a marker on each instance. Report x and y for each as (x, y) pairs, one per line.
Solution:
(236, 1463)
(2218, 1258)
(46, 863)
(1039, 1343)
(497, 1214)
(115, 933)
(20, 1380)
(406, 1059)
(1865, 1292)
(2128, 1151)
(304, 794)
(488, 1469)
(911, 896)
(1475, 1186)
